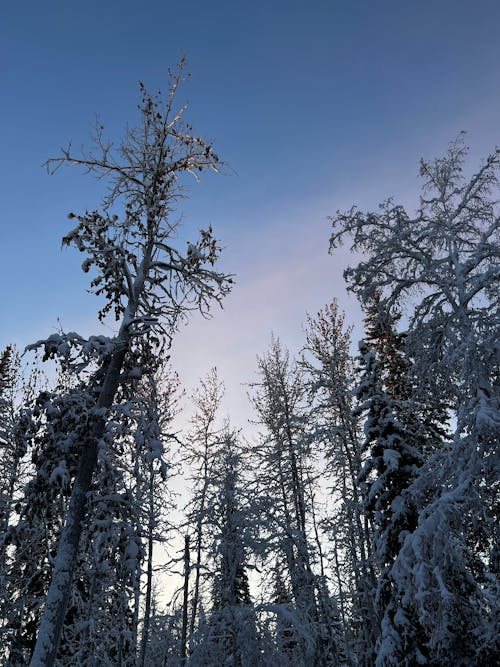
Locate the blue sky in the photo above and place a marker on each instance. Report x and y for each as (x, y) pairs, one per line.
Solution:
(316, 106)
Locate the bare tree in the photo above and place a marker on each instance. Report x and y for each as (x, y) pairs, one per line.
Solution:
(201, 449)
(284, 459)
(329, 377)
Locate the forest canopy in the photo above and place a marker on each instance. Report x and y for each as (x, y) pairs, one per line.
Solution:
(357, 526)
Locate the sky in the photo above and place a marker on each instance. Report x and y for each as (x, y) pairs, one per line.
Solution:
(314, 106)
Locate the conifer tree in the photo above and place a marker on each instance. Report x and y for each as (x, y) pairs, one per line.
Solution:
(12, 446)
(288, 649)
(50, 430)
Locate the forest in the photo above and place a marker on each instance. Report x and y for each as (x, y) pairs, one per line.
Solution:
(355, 523)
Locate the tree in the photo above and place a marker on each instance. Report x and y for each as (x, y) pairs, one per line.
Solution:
(445, 259)
(12, 444)
(202, 453)
(101, 618)
(17, 396)
(229, 636)
(158, 395)
(391, 464)
(148, 282)
(17, 401)
(10, 455)
(284, 460)
(336, 428)
(50, 430)
(401, 430)
(125, 519)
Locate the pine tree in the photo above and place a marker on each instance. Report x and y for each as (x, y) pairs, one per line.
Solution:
(286, 638)
(50, 428)
(12, 452)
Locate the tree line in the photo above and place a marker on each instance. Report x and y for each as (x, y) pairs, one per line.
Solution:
(358, 527)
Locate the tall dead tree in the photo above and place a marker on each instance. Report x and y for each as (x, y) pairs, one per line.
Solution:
(130, 247)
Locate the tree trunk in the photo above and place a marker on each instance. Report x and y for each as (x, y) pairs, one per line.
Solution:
(149, 576)
(183, 651)
(199, 537)
(51, 625)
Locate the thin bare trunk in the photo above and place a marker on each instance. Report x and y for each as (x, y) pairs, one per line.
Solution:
(183, 647)
(149, 575)
(196, 592)
(338, 576)
(199, 536)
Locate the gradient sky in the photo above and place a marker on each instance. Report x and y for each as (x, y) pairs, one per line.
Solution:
(315, 105)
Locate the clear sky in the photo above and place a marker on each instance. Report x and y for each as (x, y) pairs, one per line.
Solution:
(316, 105)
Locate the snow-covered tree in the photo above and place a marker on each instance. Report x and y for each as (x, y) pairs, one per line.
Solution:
(329, 377)
(422, 411)
(126, 513)
(149, 283)
(202, 453)
(17, 394)
(284, 468)
(10, 454)
(157, 396)
(229, 635)
(390, 466)
(50, 430)
(288, 650)
(125, 517)
(445, 260)
(18, 388)
(162, 646)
